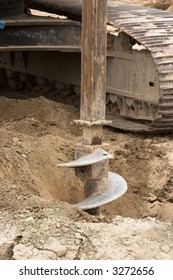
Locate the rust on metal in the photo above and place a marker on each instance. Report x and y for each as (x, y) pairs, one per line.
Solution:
(145, 26)
(44, 33)
(93, 68)
(92, 161)
(93, 72)
(93, 88)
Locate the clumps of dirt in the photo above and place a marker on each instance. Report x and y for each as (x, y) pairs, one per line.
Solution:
(37, 133)
(145, 161)
(37, 219)
(51, 234)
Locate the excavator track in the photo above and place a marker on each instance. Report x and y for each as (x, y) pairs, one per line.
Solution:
(153, 29)
(150, 28)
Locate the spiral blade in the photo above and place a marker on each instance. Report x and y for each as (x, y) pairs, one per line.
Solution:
(112, 188)
(95, 157)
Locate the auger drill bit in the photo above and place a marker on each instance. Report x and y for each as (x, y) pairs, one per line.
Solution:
(92, 159)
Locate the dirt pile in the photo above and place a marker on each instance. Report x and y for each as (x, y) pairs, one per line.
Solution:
(35, 135)
(32, 143)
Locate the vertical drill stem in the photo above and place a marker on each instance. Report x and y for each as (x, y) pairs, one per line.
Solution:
(93, 70)
(93, 77)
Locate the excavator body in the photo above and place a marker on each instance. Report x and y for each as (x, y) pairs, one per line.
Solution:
(41, 55)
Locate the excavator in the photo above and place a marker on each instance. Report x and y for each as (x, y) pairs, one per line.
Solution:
(42, 55)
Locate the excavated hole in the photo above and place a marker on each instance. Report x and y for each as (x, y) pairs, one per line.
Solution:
(38, 133)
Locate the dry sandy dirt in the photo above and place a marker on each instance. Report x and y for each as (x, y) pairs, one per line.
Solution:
(37, 220)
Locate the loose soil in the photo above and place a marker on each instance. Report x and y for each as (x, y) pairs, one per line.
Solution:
(37, 218)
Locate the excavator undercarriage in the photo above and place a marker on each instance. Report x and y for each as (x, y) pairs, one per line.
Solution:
(42, 56)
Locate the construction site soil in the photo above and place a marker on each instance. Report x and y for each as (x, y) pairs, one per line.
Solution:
(37, 219)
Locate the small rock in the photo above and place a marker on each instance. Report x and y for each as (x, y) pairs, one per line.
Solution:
(58, 225)
(152, 198)
(61, 251)
(23, 155)
(30, 219)
(15, 140)
(165, 248)
(147, 142)
(21, 252)
(42, 241)
(66, 229)
(44, 227)
(78, 235)
(58, 248)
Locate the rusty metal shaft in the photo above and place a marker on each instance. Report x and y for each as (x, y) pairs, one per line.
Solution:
(93, 79)
(93, 69)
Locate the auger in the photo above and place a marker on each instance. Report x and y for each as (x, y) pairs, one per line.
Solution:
(92, 156)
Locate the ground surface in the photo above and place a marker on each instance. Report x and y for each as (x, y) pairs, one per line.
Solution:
(35, 135)
(37, 220)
